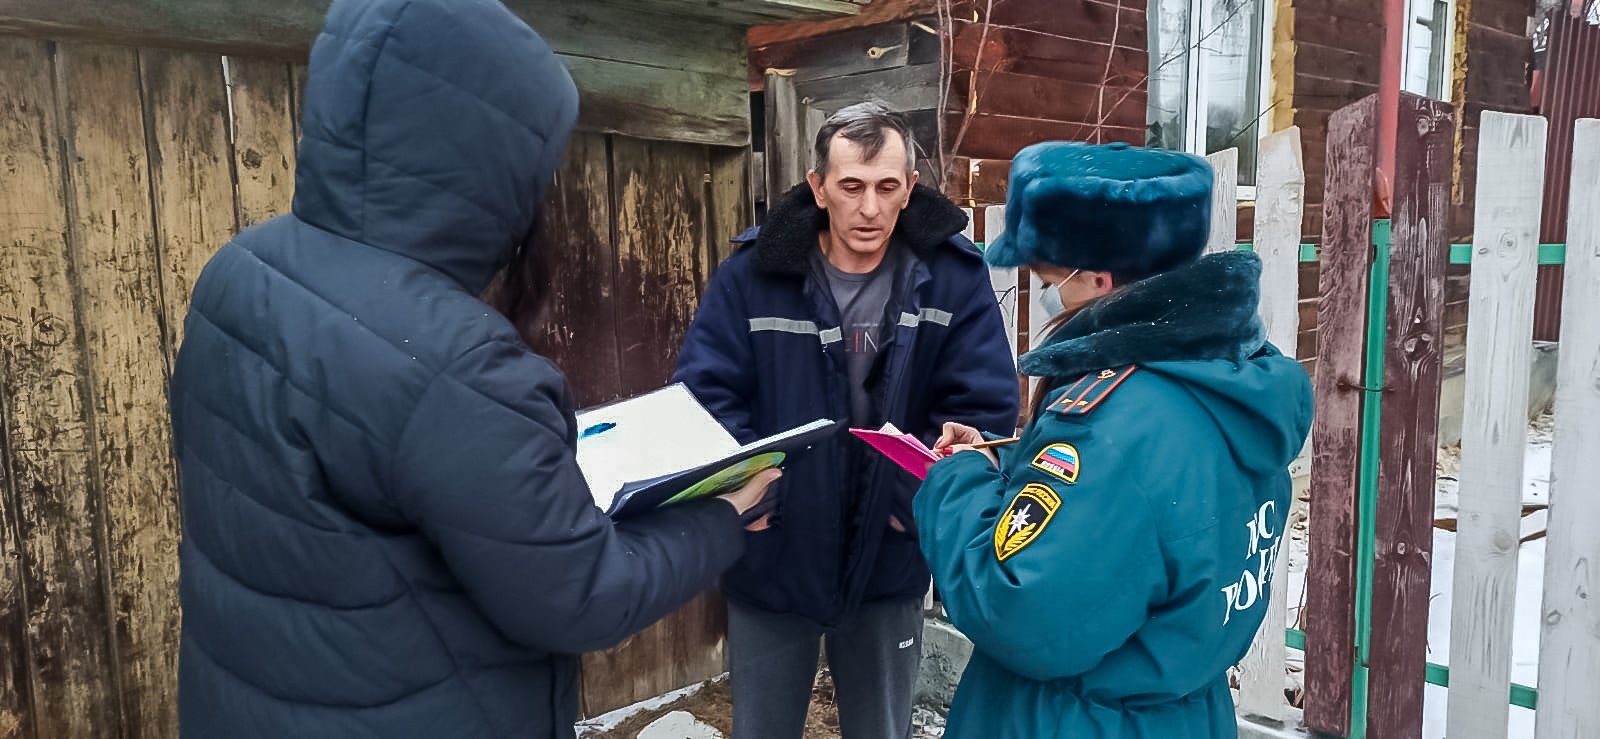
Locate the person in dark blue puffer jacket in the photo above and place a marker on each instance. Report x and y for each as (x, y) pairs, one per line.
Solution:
(385, 531)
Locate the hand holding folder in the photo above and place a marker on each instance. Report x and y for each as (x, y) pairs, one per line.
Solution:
(903, 449)
(663, 447)
(909, 452)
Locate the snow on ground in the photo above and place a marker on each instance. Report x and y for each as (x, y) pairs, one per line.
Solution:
(1530, 581)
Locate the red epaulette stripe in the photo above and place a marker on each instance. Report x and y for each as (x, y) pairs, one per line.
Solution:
(1102, 396)
(1066, 400)
(1073, 388)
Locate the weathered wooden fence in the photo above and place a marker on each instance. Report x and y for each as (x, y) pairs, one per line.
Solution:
(121, 171)
(1373, 481)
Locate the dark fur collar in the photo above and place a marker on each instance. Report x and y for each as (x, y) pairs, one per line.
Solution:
(789, 235)
(1205, 310)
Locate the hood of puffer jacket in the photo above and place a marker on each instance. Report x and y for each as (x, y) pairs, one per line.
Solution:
(432, 129)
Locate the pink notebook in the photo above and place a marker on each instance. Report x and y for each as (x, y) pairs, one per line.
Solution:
(904, 449)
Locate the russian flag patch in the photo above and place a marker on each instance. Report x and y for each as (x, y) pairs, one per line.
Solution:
(1059, 461)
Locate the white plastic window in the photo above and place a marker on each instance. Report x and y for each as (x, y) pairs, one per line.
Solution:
(1208, 78)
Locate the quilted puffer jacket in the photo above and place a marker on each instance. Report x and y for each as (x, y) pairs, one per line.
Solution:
(385, 533)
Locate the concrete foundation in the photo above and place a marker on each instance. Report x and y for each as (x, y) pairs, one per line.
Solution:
(945, 653)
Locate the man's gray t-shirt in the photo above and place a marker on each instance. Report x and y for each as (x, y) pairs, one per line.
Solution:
(863, 300)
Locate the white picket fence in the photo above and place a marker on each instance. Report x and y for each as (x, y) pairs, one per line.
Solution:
(1499, 345)
(1511, 152)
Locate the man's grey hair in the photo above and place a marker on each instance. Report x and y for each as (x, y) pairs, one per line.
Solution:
(866, 125)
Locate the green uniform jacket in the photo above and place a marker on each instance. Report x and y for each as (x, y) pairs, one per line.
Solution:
(1121, 559)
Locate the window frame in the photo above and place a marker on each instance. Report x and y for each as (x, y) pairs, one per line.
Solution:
(1448, 38)
(1197, 91)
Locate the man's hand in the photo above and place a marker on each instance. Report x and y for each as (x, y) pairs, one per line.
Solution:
(959, 448)
(955, 433)
(894, 523)
(751, 495)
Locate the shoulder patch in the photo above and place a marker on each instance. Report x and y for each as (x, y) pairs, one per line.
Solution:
(1059, 461)
(1087, 393)
(1024, 520)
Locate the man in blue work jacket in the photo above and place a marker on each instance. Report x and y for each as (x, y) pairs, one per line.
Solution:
(858, 300)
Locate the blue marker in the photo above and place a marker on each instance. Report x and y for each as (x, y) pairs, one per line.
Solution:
(596, 430)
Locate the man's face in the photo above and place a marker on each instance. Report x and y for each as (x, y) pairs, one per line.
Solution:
(864, 198)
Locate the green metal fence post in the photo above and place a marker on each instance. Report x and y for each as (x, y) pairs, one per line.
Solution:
(1367, 502)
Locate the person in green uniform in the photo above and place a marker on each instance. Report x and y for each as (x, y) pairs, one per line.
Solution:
(1115, 562)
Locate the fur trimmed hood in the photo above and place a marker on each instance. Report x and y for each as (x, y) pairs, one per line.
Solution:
(784, 243)
(1204, 310)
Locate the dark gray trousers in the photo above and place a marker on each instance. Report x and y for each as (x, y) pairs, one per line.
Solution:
(873, 658)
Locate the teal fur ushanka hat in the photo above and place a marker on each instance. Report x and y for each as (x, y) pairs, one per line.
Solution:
(1127, 210)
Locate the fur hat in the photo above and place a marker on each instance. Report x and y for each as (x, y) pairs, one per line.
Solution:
(1127, 210)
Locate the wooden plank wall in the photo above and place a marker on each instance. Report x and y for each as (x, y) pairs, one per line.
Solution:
(647, 68)
(1491, 74)
(120, 179)
(639, 223)
(120, 184)
(1326, 56)
(894, 62)
(1027, 71)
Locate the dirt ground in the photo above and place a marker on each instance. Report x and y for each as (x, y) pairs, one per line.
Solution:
(713, 705)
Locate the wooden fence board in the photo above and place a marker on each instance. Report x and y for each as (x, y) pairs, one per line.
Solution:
(17, 110)
(1499, 351)
(731, 201)
(1569, 651)
(1280, 183)
(661, 241)
(117, 269)
(661, 232)
(575, 228)
(858, 50)
(191, 170)
(658, 103)
(1335, 474)
(1413, 364)
(56, 608)
(297, 76)
(1224, 201)
(264, 137)
(1037, 317)
(1004, 281)
(791, 133)
(900, 88)
(16, 708)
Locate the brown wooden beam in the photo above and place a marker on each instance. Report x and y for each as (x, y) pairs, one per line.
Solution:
(287, 27)
(1409, 442)
(1335, 477)
(641, 72)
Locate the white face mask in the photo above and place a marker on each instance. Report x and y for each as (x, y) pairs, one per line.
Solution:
(1050, 299)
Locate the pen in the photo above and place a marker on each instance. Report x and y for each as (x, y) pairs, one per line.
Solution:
(996, 442)
(596, 429)
(945, 452)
